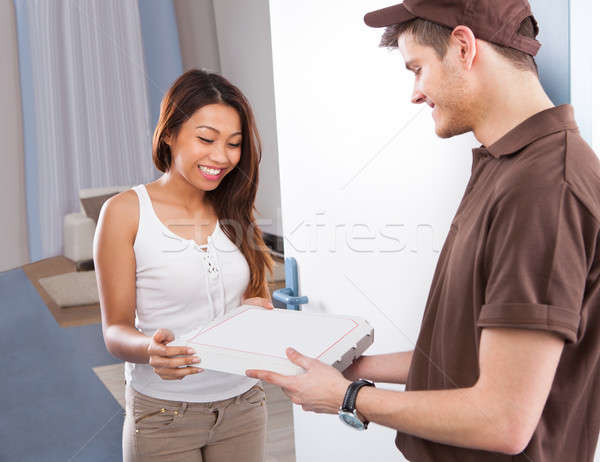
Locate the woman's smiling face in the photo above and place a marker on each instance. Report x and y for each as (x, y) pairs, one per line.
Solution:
(208, 146)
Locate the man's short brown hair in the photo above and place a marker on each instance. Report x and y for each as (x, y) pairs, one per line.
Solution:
(428, 33)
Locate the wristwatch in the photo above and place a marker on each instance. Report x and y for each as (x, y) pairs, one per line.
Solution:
(347, 411)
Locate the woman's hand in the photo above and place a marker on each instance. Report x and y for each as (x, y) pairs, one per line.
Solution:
(258, 301)
(163, 360)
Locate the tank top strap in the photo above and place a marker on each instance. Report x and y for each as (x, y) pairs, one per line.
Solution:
(140, 190)
(142, 194)
(145, 204)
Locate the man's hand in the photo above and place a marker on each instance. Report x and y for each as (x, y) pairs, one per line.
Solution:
(320, 389)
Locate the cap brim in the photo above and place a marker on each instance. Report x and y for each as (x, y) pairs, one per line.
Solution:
(396, 14)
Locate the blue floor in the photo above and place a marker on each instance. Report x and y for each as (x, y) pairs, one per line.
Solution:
(54, 407)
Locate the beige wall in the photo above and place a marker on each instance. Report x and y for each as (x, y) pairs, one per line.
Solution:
(233, 37)
(13, 244)
(244, 37)
(197, 34)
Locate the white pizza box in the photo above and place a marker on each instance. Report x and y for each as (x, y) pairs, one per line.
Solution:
(251, 337)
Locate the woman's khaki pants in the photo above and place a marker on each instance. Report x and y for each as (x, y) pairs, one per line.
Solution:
(232, 430)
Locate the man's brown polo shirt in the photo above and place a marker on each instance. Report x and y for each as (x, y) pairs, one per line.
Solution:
(522, 251)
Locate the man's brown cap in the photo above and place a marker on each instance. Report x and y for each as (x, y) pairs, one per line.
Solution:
(495, 21)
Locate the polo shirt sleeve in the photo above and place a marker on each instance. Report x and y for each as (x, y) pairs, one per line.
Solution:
(535, 260)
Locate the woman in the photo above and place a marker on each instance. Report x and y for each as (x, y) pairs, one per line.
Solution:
(171, 256)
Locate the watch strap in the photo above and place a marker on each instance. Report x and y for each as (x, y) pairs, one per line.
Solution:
(349, 403)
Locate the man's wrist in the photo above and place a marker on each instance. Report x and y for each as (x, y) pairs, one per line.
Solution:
(360, 414)
(341, 392)
(348, 412)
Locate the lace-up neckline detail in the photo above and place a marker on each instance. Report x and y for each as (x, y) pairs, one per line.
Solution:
(168, 233)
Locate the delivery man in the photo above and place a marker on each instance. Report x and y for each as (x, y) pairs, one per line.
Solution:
(506, 363)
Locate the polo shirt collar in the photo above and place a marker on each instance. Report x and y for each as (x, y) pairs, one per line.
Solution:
(537, 126)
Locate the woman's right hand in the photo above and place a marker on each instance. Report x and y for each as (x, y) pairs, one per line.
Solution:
(162, 360)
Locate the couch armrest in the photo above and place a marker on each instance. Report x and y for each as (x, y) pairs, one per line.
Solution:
(78, 237)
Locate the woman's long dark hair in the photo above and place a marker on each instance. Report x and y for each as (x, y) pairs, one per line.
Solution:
(233, 199)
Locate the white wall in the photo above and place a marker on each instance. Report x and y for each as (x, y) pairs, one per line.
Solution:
(596, 78)
(581, 64)
(244, 44)
(14, 250)
(553, 20)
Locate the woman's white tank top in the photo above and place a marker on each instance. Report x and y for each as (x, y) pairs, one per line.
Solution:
(181, 286)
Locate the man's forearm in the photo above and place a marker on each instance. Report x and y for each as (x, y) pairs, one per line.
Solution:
(458, 417)
(389, 368)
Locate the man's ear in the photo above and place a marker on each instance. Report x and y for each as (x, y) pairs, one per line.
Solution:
(464, 39)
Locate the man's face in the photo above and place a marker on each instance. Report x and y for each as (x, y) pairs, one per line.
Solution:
(442, 84)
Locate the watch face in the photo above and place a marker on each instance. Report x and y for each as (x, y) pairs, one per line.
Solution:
(350, 419)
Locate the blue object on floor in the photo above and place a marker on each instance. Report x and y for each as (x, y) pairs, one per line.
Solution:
(54, 407)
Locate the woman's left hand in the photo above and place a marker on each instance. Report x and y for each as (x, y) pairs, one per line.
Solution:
(258, 301)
